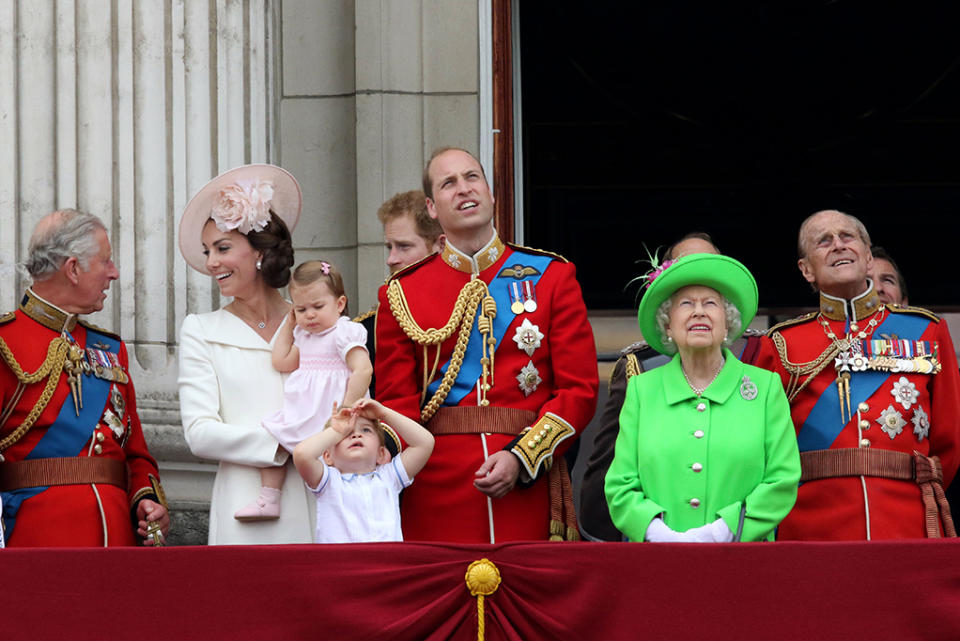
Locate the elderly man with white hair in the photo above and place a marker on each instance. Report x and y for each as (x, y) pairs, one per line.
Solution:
(875, 398)
(74, 466)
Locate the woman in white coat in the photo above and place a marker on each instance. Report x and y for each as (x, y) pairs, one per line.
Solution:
(237, 230)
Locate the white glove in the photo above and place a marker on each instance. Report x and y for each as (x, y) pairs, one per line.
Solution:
(716, 532)
(660, 532)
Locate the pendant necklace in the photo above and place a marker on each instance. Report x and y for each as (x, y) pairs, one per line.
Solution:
(849, 357)
(699, 390)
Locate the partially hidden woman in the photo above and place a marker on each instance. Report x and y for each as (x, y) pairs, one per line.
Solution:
(706, 450)
(237, 230)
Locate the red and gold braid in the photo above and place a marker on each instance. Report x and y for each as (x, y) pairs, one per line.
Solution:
(51, 367)
(464, 311)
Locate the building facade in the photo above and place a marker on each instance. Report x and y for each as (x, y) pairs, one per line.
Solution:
(126, 108)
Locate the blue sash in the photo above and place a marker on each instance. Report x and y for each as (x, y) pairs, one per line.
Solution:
(69, 433)
(471, 369)
(822, 427)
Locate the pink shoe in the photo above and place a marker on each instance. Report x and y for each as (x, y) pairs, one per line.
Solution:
(266, 507)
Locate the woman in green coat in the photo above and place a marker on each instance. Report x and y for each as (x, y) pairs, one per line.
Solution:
(706, 451)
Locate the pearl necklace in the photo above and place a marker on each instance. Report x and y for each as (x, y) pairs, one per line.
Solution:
(699, 390)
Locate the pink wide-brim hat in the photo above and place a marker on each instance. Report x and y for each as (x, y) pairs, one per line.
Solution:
(286, 204)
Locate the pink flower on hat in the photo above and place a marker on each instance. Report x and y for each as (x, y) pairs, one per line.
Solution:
(244, 206)
(656, 271)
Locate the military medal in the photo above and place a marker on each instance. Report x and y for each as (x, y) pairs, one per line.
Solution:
(921, 423)
(529, 297)
(849, 357)
(748, 389)
(891, 422)
(115, 424)
(516, 298)
(842, 364)
(528, 337)
(529, 378)
(905, 392)
(116, 399)
(73, 365)
(900, 355)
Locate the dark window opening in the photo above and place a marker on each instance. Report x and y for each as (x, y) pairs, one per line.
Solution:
(643, 121)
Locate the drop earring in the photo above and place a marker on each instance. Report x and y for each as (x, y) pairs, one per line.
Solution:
(259, 262)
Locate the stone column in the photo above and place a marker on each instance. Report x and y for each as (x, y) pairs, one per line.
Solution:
(125, 108)
(417, 89)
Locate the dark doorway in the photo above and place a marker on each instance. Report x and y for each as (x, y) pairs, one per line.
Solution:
(642, 121)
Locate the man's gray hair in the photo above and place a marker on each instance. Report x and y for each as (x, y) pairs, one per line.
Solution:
(734, 323)
(63, 234)
(861, 230)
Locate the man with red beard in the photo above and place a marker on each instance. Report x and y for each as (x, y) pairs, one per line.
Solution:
(875, 398)
(488, 344)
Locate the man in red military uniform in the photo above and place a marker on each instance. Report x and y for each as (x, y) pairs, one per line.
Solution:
(74, 466)
(875, 398)
(489, 345)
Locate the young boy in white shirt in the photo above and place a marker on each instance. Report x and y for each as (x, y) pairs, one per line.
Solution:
(346, 466)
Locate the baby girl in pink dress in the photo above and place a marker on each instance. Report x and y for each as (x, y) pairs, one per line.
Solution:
(327, 355)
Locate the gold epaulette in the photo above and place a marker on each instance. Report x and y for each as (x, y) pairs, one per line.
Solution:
(409, 268)
(6, 318)
(790, 323)
(365, 315)
(100, 330)
(907, 309)
(531, 250)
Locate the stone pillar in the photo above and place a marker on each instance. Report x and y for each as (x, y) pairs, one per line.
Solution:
(417, 89)
(125, 108)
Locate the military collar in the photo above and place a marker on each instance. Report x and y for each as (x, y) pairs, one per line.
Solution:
(486, 257)
(46, 313)
(858, 308)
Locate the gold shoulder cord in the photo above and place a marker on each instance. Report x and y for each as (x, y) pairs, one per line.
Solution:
(52, 366)
(632, 366)
(796, 370)
(464, 311)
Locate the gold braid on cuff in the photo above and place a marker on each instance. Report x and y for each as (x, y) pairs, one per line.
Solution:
(536, 445)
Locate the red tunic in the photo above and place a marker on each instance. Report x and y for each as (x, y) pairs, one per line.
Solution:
(442, 504)
(860, 507)
(70, 515)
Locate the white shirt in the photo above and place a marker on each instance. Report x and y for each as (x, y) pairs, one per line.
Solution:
(357, 508)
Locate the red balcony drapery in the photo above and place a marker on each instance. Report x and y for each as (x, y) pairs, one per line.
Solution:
(908, 590)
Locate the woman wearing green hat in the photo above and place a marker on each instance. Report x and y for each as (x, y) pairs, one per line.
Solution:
(706, 451)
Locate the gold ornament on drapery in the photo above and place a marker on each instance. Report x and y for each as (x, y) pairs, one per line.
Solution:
(483, 579)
